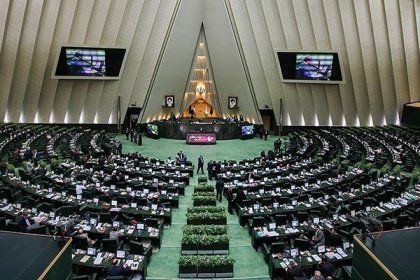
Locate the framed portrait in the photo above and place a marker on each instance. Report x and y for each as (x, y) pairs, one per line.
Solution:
(232, 102)
(170, 101)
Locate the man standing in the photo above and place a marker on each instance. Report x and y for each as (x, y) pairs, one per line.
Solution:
(277, 145)
(210, 169)
(319, 238)
(200, 164)
(220, 185)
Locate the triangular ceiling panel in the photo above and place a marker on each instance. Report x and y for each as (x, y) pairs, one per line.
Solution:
(175, 66)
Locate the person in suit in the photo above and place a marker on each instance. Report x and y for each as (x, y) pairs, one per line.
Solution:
(210, 169)
(317, 276)
(335, 239)
(200, 164)
(24, 222)
(325, 268)
(118, 270)
(294, 270)
(319, 237)
(220, 185)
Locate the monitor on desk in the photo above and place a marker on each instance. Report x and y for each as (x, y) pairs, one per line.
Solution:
(346, 245)
(295, 223)
(114, 203)
(272, 226)
(302, 244)
(120, 254)
(91, 251)
(154, 207)
(116, 224)
(93, 221)
(321, 249)
(140, 226)
(335, 217)
(316, 220)
(133, 205)
(294, 252)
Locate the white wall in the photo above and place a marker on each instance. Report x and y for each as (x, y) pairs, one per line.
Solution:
(378, 41)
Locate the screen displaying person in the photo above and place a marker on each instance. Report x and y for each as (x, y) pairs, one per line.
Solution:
(308, 70)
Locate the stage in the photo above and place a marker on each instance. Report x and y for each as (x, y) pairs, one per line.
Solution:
(180, 128)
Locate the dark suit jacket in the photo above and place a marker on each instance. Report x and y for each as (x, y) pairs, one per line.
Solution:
(22, 223)
(220, 185)
(294, 271)
(118, 270)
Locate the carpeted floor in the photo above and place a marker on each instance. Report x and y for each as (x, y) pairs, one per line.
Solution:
(164, 264)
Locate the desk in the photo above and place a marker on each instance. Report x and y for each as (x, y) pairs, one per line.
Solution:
(81, 262)
(276, 269)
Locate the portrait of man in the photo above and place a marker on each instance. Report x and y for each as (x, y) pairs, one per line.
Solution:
(232, 102)
(170, 101)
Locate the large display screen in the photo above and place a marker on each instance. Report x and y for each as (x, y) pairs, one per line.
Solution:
(310, 67)
(89, 63)
(247, 130)
(152, 129)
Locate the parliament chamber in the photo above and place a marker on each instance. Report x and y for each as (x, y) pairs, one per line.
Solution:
(209, 139)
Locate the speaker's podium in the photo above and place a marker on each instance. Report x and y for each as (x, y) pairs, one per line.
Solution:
(30, 256)
(390, 255)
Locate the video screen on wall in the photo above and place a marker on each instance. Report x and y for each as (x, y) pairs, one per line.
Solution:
(310, 67)
(247, 130)
(152, 129)
(89, 63)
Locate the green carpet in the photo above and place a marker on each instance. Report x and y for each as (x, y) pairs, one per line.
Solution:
(164, 264)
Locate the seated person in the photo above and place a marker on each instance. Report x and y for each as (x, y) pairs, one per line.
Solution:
(317, 276)
(319, 237)
(26, 224)
(81, 234)
(325, 268)
(335, 239)
(118, 270)
(294, 270)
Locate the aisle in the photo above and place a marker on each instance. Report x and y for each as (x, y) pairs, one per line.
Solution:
(164, 264)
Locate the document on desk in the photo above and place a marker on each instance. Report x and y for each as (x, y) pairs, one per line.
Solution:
(338, 256)
(341, 252)
(283, 265)
(309, 259)
(129, 262)
(130, 231)
(272, 233)
(84, 259)
(98, 260)
(380, 209)
(316, 258)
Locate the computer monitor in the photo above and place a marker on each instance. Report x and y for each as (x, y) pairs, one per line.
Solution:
(154, 207)
(91, 251)
(256, 206)
(321, 249)
(96, 200)
(302, 244)
(133, 204)
(346, 245)
(272, 226)
(353, 213)
(114, 203)
(294, 252)
(140, 226)
(335, 217)
(294, 202)
(120, 254)
(116, 224)
(316, 220)
(163, 192)
(276, 205)
(52, 214)
(93, 221)
(295, 223)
